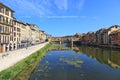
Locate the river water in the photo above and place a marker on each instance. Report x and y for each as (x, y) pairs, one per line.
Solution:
(80, 63)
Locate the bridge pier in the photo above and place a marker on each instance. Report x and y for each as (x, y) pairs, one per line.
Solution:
(71, 43)
(60, 42)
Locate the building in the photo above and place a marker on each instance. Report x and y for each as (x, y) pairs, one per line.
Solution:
(23, 36)
(35, 34)
(48, 38)
(6, 28)
(115, 37)
(41, 34)
(106, 34)
(78, 35)
(16, 34)
(99, 36)
(88, 38)
(44, 37)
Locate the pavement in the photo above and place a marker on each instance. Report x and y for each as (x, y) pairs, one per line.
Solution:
(8, 59)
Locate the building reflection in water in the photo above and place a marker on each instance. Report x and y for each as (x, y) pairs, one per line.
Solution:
(104, 56)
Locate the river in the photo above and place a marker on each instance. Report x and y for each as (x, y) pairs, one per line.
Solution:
(78, 63)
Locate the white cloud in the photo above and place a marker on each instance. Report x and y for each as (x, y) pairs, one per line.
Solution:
(61, 4)
(81, 17)
(62, 16)
(42, 8)
(80, 4)
(33, 7)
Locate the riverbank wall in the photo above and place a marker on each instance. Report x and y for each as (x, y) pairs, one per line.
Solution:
(28, 64)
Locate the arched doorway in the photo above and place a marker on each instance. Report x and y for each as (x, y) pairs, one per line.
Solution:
(14, 46)
(10, 47)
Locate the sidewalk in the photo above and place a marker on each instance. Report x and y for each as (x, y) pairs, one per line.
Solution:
(14, 56)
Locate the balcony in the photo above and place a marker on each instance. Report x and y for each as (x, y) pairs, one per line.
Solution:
(6, 23)
(5, 32)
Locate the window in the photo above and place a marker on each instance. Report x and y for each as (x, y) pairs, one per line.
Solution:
(11, 30)
(14, 28)
(6, 30)
(1, 9)
(7, 39)
(19, 34)
(1, 39)
(7, 12)
(11, 14)
(11, 22)
(14, 22)
(14, 39)
(1, 29)
(14, 33)
(7, 20)
(11, 38)
(18, 29)
(1, 18)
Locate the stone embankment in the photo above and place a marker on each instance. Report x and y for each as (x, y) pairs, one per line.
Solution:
(10, 58)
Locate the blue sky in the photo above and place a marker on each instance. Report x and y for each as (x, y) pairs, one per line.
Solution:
(66, 17)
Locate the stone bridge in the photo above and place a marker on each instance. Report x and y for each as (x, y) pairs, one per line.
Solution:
(69, 39)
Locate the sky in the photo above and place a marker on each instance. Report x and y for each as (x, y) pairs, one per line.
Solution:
(67, 17)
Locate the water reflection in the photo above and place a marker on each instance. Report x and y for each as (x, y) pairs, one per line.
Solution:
(59, 65)
(80, 63)
(104, 56)
(76, 62)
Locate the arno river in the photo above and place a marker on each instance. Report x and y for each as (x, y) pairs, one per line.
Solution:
(80, 63)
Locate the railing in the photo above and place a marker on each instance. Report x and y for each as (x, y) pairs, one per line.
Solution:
(4, 32)
(6, 23)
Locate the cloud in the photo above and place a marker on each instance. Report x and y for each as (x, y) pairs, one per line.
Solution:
(61, 4)
(31, 7)
(80, 4)
(82, 17)
(44, 8)
(62, 16)
(25, 16)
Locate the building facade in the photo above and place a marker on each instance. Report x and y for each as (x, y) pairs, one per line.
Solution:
(6, 28)
(88, 38)
(16, 34)
(115, 38)
(99, 37)
(35, 34)
(41, 34)
(106, 34)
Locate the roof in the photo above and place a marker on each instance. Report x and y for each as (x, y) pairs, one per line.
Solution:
(114, 32)
(41, 30)
(116, 26)
(6, 7)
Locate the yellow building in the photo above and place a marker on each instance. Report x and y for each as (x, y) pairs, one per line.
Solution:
(16, 34)
(41, 33)
(6, 28)
(48, 37)
(24, 34)
(35, 34)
